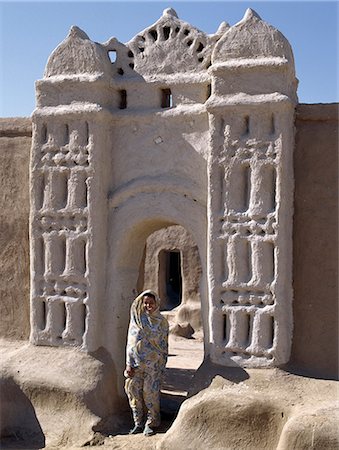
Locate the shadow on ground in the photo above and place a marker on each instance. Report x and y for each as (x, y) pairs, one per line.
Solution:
(20, 428)
(178, 380)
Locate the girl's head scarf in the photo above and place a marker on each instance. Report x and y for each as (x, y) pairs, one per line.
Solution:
(152, 327)
(138, 309)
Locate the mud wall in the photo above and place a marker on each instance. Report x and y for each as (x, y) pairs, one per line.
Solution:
(315, 307)
(15, 143)
(315, 241)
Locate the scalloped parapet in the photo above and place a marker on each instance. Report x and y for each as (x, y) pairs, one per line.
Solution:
(170, 46)
(251, 38)
(76, 55)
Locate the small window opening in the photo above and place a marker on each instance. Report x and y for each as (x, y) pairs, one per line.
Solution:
(200, 47)
(131, 65)
(123, 99)
(120, 71)
(153, 34)
(166, 98)
(141, 49)
(166, 31)
(177, 30)
(200, 59)
(189, 43)
(130, 54)
(112, 54)
(186, 32)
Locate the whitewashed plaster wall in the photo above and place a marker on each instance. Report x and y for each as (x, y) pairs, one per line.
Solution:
(183, 128)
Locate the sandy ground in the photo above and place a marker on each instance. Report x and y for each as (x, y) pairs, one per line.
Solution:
(185, 357)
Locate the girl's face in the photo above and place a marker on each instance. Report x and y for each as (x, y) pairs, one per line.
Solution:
(149, 304)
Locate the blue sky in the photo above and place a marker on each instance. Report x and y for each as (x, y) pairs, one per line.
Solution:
(31, 30)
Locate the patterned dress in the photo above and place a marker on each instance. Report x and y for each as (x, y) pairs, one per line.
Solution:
(146, 352)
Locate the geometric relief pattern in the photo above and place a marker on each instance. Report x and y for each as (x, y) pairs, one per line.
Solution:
(247, 237)
(59, 229)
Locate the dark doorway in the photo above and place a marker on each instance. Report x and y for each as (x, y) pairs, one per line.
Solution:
(171, 277)
(174, 281)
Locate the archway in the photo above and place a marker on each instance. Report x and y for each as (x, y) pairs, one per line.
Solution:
(130, 225)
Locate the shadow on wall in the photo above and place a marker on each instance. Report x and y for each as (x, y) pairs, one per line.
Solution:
(20, 427)
(105, 399)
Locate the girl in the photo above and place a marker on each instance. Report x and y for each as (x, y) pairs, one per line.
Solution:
(146, 356)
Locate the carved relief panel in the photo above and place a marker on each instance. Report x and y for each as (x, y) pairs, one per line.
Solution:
(248, 174)
(59, 230)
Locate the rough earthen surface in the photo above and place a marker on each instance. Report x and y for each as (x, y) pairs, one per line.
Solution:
(315, 238)
(15, 143)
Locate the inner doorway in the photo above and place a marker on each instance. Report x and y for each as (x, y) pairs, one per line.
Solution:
(170, 278)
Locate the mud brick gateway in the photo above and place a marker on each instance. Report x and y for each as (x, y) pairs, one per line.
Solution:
(181, 129)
